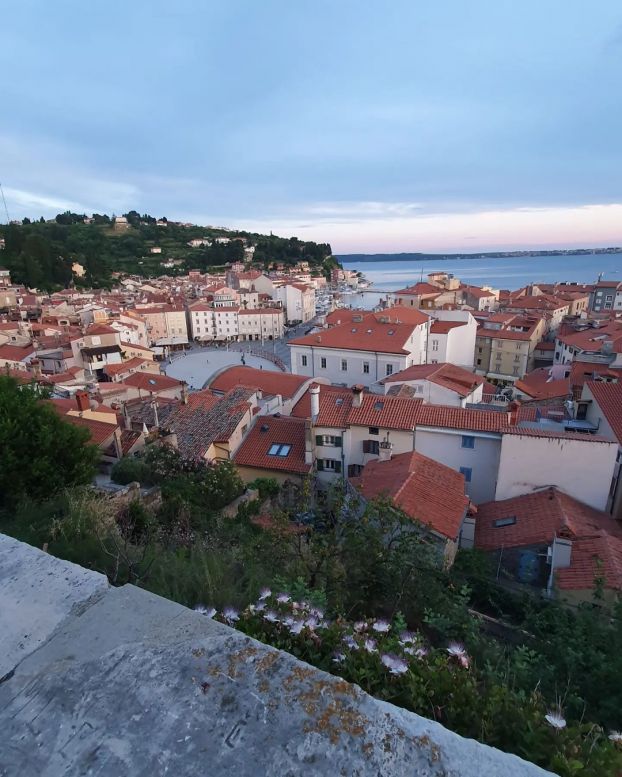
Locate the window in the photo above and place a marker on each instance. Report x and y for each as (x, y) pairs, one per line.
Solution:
(419, 389)
(331, 465)
(466, 471)
(515, 371)
(517, 357)
(498, 357)
(371, 446)
(609, 298)
(279, 449)
(500, 522)
(328, 439)
(303, 359)
(479, 361)
(435, 345)
(323, 362)
(374, 430)
(344, 365)
(480, 350)
(389, 369)
(366, 368)
(468, 441)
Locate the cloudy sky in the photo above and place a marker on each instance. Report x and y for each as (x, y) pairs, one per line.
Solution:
(378, 126)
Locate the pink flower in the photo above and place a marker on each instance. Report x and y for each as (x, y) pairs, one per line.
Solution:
(271, 616)
(370, 645)
(360, 626)
(458, 652)
(230, 615)
(407, 638)
(338, 658)
(283, 598)
(394, 664)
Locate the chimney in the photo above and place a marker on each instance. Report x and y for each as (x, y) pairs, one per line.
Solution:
(513, 408)
(82, 400)
(184, 393)
(118, 449)
(385, 451)
(308, 444)
(314, 393)
(357, 396)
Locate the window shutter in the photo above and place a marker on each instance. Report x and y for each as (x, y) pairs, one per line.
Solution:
(366, 446)
(320, 464)
(319, 440)
(338, 442)
(337, 466)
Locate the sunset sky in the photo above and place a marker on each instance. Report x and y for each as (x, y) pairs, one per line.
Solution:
(377, 126)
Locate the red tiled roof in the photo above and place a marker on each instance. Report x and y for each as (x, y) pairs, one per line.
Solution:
(270, 430)
(424, 489)
(539, 384)
(540, 516)
(367, 335)
(15, 353)
(151, 381)
(419, 289)
(134, 363)
(101, 329)
(543, 345)
(592, 557)
(100, 432)
(545, 514)
(443, 327)
(271, 382)
(450, 376)
(385, 412)
(608, 396)
(462, 418)
(335, 403)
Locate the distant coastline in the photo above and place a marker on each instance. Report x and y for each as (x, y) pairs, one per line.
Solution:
(422, 257)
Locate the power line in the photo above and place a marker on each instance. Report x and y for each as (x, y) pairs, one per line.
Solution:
(6, 210)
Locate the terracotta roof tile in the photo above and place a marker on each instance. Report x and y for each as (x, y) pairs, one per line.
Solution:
(151, 381)
(267, 432)
(609, 399)
(462, 418)
(450, 376)
(424, 489)
(271, 382)
(386, 412)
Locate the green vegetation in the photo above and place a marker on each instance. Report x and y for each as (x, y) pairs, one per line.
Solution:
(40, 454)
(41, 254)
(360, 567)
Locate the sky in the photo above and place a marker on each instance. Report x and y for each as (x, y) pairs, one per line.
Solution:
(409, 125)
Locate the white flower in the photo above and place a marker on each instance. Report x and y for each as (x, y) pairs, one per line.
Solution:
(260, 607)
(370, 645)
(555, 719)
(616, 737)
(458, 652)
(407, 638)
(296, 627)
(283, 598)
(207, 611)
(394, 664)
(264, 594)
(287, 620)
(350, 642)
(312, 622)
(381, 626)
(360, 626)
(339, 658)
(230, 614)
(271, 616)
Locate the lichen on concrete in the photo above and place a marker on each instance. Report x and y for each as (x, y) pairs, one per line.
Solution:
(137, 685)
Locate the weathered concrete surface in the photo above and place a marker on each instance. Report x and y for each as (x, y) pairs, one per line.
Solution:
(37, 593)
(136, 685)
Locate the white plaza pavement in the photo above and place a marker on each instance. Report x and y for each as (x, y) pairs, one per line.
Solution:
(198, 366)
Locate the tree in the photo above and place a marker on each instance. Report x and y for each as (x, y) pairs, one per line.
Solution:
(41, 453)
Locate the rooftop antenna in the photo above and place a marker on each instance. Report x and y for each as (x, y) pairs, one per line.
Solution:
(6, 210)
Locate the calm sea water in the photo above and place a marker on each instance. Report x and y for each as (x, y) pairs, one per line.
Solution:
(511, 273)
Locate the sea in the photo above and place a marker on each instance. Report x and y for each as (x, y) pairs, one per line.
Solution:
(500, 273)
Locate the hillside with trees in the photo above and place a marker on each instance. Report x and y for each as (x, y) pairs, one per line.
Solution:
(40, 254)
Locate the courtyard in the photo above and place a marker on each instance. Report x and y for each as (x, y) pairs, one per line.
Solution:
(197, 366)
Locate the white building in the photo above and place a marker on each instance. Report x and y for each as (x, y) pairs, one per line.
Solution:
(438, 384)
(364, 348)
(298, 301)
(452, 338)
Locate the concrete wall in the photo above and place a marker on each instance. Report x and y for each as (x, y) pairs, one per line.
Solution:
(529, 462)
(445, 446)
(117, 681)
(355, 363)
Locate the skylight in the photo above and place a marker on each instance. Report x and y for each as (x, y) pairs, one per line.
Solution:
(279, 449)
(500, 522)
(378, 405)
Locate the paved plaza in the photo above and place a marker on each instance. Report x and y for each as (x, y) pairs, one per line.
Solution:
(197, 366)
